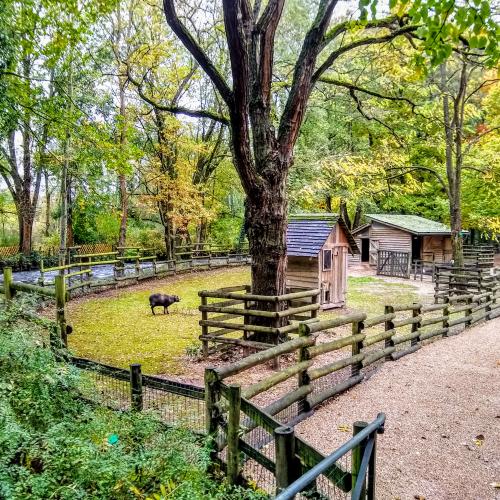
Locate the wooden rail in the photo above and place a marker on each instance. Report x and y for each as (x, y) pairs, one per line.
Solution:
(321, 368)
(274, 316)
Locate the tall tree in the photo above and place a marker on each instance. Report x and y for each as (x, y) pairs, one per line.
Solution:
(263, 154)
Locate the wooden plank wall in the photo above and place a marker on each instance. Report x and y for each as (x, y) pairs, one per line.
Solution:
(437, 248)
(302, 272)
(390, 238)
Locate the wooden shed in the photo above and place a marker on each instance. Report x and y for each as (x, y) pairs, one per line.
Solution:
(317, 248)
(420, 238)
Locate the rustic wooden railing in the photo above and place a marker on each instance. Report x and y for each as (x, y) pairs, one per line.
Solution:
(80, 276)
(281, 313)
(323, 359)
(450, 281)
(482, 256)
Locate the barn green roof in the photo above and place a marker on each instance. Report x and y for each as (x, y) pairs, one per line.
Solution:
(412, 223)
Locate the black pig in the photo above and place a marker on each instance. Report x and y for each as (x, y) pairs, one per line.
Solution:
(158, 299)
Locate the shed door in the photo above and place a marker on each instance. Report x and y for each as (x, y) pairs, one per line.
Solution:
(374, 245)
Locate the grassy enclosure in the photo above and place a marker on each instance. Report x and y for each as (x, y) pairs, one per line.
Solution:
(118, 328)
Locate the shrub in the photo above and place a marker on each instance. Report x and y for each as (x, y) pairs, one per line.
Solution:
(56, 445)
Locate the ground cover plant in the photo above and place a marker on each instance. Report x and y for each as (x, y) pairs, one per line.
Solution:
(56, 445)
(118, 328)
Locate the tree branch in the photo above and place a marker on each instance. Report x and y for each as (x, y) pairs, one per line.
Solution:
(238, 21)
(180, 110)
(293, 113)
(413, 168)
(359, 107)
(197, 52)
(351, 86)
(359, 43)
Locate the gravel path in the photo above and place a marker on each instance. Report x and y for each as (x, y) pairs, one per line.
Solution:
(442, 438)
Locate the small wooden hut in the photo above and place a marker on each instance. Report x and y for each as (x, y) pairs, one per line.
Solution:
(416, 237)
(317, 247)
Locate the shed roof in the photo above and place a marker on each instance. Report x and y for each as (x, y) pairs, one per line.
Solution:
(412, 223)
(307, 233)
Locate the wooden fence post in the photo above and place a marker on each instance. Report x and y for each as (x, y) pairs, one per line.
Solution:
(60, 286)
(436, 286)
(137, 269)
(212, 398)
(136, 387)
(389, 325)
(487, 308)
(233, 427)
(7, 282)
(204, 328)
(468, 312)
(446, 314)
(284, 441)
(303, 405)
(314, 300)
(357, 456)
(416, 326)
(357, 327)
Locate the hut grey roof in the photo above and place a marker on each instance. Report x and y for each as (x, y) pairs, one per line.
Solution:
(412, 224)
(307, 233)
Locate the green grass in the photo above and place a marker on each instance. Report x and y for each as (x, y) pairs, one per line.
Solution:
(370, 295)
(119, 329)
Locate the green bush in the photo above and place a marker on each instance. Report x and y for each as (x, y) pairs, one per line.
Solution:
(56, 445)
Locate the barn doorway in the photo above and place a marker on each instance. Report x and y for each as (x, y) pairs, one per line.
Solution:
(416, 248)
(365, 249)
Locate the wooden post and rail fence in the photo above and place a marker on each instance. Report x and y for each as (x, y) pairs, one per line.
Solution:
(78, 271)
(9, 288)
(318, 368)
(237, 302)
(252, 431)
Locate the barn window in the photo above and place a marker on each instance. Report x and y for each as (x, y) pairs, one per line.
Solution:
(327, 260)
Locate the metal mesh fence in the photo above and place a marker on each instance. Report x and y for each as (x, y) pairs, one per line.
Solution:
(262, 441)
(106, 390)
(176, 404)
(173, 402)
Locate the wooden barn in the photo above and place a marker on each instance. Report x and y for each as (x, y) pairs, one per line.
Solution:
(420, 238)
(317, 247)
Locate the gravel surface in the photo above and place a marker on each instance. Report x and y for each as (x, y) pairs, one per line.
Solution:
(442, 438)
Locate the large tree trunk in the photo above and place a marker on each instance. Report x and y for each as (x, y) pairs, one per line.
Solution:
(453, 139)
(266, 218)
(266, 222)
(167, 230)
(25, 230)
